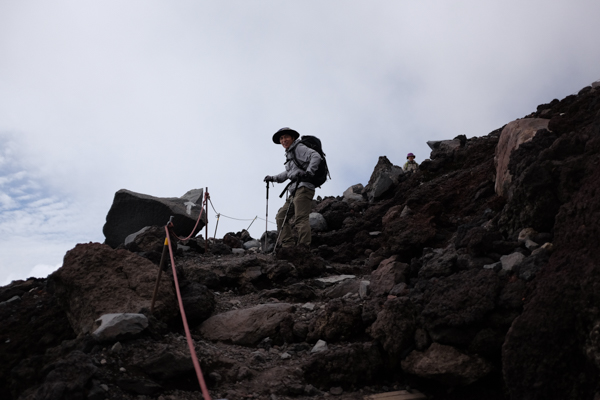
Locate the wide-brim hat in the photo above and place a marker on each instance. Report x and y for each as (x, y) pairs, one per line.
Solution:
(285, 131)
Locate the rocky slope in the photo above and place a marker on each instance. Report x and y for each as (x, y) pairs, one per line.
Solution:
(475, 277)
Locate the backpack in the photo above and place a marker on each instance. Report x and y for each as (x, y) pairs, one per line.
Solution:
(322, 172)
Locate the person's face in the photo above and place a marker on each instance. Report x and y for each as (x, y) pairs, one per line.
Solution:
(286, 140)
(411, 158)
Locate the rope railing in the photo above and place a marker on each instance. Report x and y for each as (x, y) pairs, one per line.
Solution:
(188, 335)
(167, 245)
(218, 215)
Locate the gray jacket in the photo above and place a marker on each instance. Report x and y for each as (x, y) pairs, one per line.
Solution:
(306, 157)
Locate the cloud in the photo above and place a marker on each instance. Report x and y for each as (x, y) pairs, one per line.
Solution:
(160, 98)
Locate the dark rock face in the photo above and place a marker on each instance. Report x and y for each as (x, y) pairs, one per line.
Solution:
(395, 327)
(456, 307)
(29, 327)
(345, 367)
(436, 283)
(96, 280)
(132, 211)
(67, 379)
(341, 320)
(558, 326)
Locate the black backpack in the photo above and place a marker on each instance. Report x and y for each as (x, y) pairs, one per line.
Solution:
(322, 171)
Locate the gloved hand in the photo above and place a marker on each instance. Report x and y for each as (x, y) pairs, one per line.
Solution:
(268, 178)
(298, 176)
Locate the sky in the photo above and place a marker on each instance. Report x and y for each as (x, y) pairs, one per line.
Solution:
(162, 97)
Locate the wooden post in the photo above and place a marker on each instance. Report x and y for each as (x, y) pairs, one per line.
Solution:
(163, 259)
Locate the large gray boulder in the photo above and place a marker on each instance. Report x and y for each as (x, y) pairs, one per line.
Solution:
(131, 212)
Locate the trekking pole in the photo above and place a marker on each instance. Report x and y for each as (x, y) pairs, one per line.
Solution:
(267, 220)
(286, 213)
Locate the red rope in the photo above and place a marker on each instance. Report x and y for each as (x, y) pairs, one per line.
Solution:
(188, 335)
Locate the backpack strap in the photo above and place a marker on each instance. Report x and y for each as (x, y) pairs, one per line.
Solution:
(296, 159)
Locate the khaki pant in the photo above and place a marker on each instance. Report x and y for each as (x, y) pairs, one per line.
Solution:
(299, 211)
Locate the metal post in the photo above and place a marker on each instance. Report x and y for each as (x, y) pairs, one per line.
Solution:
(206, 226)
(217, 224)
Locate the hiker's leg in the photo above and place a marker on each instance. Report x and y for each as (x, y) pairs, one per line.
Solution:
(286, 237)
(302, 206)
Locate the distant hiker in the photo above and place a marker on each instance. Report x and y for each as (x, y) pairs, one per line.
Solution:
(301, 164)
(411, 165)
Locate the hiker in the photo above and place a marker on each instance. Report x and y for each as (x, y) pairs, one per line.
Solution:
(411, 165)
(301, 163)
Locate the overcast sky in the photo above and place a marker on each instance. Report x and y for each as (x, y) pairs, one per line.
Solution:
(160, 97)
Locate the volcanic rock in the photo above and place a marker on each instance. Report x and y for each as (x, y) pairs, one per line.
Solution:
(112, 327)
(96, 280)
(513, 135)
(247, 327)
(441, 315)
(384, 177)
(131, 212)
(447, 365)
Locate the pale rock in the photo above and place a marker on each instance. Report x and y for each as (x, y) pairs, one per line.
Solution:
(526, 234)
(317, 222)
(513, 135)
(319, 347)
(363, 289)
(511, 261)
(114, 326)
(335, 279)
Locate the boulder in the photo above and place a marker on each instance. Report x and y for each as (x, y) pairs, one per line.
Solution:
(395, 327)
(232, 241)
(198, 301)
(67, 379)
(96, 280)
(317, 222)
(384, 177)
(246, 327)
(354, 193)
(511, 261)
(132, 212)
(112, 327)
(446, 365)
(389, 273)
(513, 135)
(251, 244)
(346, 366)
(438, 262)
(455, 307)
(340, 320)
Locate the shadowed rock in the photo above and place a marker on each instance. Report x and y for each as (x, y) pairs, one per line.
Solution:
(447, 365)
(96, 280)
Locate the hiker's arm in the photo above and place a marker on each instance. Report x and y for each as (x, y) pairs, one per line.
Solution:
(282, 177)
(313, 161)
